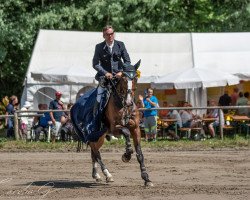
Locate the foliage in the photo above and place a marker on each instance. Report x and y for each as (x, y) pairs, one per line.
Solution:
(3, 104)
(20, 21)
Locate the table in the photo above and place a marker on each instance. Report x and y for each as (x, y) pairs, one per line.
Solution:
(239, 119)
(168, 121)
(209, 119)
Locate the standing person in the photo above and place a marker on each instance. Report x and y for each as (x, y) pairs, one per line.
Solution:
(56, 104)
(150, 116)
(24, 120)
(107, 60)
(225, 100)
(242, 101)
(234, 96)
(9, 121)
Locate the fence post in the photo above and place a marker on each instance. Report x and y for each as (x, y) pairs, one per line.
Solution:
(16, 126)
(220, 122)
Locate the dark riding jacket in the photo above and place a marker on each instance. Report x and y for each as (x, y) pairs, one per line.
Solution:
(104, 61)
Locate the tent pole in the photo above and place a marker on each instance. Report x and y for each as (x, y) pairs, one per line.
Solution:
(192, 48)
(70, 93)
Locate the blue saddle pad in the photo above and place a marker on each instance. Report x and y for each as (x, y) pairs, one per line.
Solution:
(88, 126)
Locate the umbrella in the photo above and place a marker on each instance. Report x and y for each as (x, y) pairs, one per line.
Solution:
(195, 78)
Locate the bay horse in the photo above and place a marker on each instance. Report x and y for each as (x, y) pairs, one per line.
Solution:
(121, 116)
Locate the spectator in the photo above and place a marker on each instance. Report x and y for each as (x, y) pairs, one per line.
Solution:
(9, 121)
(41, 123)
(163, 113)
(56, 104)
(24, 121)
(150, 116)
(213, 113)
(246, 94)
(225, 100)
(173, 114)
(67, 129)
(186, 117)
(234, 96)
(242, 101)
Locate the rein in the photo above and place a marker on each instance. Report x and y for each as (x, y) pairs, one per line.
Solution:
(128, 109)
(117, 95)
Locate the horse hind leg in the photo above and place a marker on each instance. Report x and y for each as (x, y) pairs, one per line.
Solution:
(105, 171)
(95, 174)
(128, 150)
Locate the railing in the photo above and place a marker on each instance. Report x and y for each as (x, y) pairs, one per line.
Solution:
(221, 108)
(33, 113)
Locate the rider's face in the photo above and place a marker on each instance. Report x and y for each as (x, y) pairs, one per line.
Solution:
(109, 35)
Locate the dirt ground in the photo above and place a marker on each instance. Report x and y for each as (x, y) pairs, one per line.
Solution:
(185, 175)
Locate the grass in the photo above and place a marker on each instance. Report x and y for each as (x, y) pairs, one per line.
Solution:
(160, 145)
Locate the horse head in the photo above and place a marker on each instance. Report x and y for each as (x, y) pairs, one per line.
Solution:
(129, 81)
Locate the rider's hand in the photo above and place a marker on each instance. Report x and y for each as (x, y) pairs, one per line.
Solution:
(118, 75)
(108, 75)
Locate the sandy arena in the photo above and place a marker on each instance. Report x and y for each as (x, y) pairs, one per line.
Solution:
(184, 175)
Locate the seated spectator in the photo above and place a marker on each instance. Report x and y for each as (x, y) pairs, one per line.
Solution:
(186, 118)
(196, 119)
(163, 113)
(173, 114)
(67, 129)
(213, 113)
(41, 123)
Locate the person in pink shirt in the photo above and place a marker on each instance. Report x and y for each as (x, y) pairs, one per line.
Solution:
(234, 96)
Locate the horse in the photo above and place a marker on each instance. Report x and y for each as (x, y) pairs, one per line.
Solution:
(121, 116)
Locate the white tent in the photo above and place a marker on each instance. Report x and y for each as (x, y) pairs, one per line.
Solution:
(62, 60)
(195, 78)
(195, 81)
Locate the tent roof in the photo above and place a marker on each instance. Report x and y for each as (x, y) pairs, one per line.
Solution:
(195, 78)
(228, 52)
(66, 56)
(70, 53)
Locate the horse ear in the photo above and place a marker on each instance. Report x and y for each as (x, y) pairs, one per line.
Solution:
(137, 65)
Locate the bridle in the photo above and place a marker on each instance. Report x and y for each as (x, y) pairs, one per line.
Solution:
(122, 96)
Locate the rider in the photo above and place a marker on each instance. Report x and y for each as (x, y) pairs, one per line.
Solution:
(107, 60)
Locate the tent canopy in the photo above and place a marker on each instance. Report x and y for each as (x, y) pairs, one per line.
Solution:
(66, 56)
(195, 78)
(63, 58)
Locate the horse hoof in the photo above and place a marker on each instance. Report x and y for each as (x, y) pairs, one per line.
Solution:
(109, 179)
(149, 184)
(125, 158)
(98, 179)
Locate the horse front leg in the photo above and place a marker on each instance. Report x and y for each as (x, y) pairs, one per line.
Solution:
(140, 158)
(128, 149)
